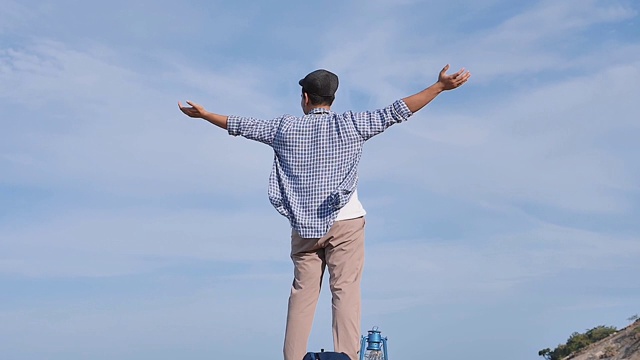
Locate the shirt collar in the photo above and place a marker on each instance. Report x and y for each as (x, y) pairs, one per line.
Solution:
(319, 111)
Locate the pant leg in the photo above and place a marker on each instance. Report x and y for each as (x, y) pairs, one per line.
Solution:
(309, 263)
(344, 255)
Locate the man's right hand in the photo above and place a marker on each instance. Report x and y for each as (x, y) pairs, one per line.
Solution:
(194, 111)
(198, 111)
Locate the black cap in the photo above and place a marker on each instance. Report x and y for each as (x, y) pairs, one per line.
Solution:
(320, 82)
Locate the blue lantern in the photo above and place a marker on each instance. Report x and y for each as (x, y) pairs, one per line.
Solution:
(373, 346)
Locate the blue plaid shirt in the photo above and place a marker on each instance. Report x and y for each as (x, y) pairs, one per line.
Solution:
(315, 167)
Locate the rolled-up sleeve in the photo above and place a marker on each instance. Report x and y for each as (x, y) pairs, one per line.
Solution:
(371, 123)
(263, 131)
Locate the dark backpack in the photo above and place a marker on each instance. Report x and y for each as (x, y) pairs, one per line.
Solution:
(326, 355)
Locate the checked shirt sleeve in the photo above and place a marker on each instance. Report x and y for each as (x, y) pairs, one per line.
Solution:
(371, 123)
(263, 131)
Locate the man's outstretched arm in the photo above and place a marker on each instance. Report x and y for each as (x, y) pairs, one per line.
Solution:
(371, 123)
(198, 111)
(445, 82)
(263, 131)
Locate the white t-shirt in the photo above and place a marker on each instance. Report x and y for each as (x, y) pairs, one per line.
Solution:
(353, 209)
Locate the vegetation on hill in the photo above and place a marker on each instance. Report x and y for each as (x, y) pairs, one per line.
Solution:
(577, 341)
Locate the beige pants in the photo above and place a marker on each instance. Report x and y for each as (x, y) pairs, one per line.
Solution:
(341, 250)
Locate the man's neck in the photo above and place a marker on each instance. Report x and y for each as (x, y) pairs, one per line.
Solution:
(326, 107)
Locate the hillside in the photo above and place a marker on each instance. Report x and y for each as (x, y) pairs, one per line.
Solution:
(622, 345)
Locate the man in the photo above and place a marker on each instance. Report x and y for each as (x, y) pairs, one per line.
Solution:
(313, 183)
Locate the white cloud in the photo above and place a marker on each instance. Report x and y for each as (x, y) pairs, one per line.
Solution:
(548, 144)
(13, 15)
(106, 243)
(550, 20)
(542, 39)
(488, 269)
(212, 320)
(93, 123)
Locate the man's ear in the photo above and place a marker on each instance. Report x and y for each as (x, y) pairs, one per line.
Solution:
(306, 98)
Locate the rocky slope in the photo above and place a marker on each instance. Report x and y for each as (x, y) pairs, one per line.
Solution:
(623, 345)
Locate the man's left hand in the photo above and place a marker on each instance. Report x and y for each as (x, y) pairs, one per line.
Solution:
(450, 82)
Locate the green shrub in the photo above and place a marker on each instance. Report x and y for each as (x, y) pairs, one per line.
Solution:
(577, 341)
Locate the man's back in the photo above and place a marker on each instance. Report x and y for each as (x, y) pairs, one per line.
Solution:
(315, 170)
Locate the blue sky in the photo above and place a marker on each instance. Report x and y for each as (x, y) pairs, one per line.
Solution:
(501, 218)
